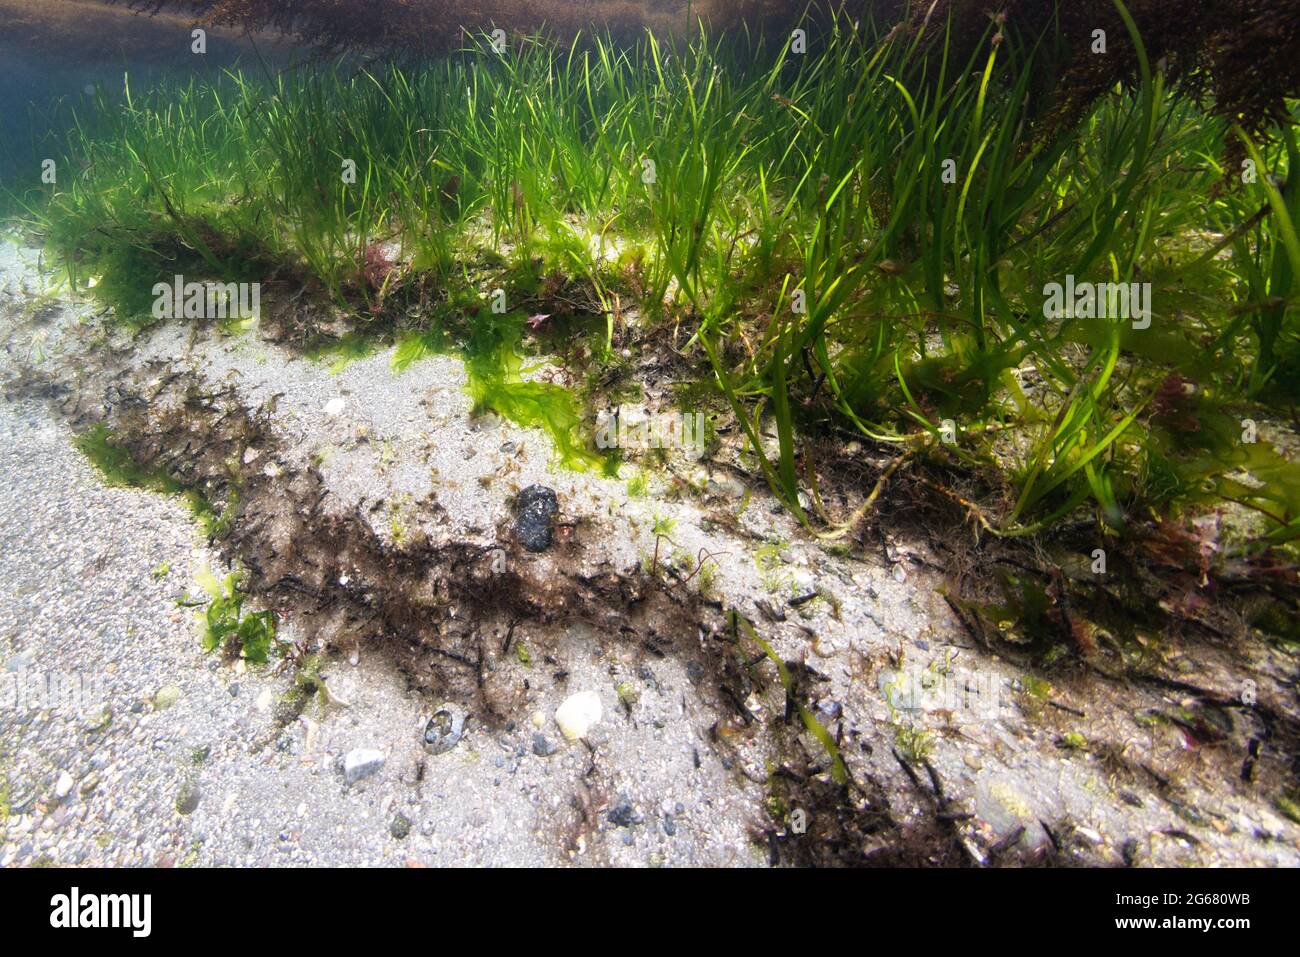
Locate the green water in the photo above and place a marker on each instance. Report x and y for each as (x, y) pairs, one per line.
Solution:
(43, 86)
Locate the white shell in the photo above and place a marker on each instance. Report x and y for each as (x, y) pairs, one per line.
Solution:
(578, 714)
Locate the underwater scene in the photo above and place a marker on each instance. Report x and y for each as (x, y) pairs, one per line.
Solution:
(690, 434)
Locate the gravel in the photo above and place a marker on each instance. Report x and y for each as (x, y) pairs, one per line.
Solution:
(117, 781)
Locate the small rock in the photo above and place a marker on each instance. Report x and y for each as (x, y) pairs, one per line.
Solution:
(670, 825)
(167, 696)
(628, 694)
(542, 747)
(578, 714)
(334, 407)
(829, 709)
(622, 813)
(63, 787)
(1089, 834)
(726, 486)
(485, 422)
(361, 763)
(188, 798)
(400, 827)
(536, 508)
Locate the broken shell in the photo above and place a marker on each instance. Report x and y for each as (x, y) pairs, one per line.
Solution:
(578, 714)
(444, 729)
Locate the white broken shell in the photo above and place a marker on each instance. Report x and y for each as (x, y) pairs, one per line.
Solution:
(578, 714)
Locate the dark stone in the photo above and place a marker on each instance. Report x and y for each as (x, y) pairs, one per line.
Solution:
(829, 710)
(622, 813)
(535, 508)
(401, 826)
(542, 747)
(188, 799)
(670, 826)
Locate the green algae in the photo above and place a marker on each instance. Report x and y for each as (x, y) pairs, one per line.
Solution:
(499, 380)
(120, 470)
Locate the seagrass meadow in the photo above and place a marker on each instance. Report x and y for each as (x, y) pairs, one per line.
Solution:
(1020, 281)
(855, 238)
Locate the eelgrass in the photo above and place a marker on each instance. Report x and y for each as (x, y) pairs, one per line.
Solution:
(856, 237)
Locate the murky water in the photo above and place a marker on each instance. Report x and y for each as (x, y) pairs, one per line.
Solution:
(53, 52)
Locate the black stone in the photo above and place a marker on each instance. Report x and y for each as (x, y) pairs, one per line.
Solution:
(622, 813)
(400, 827)
(535, 508)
